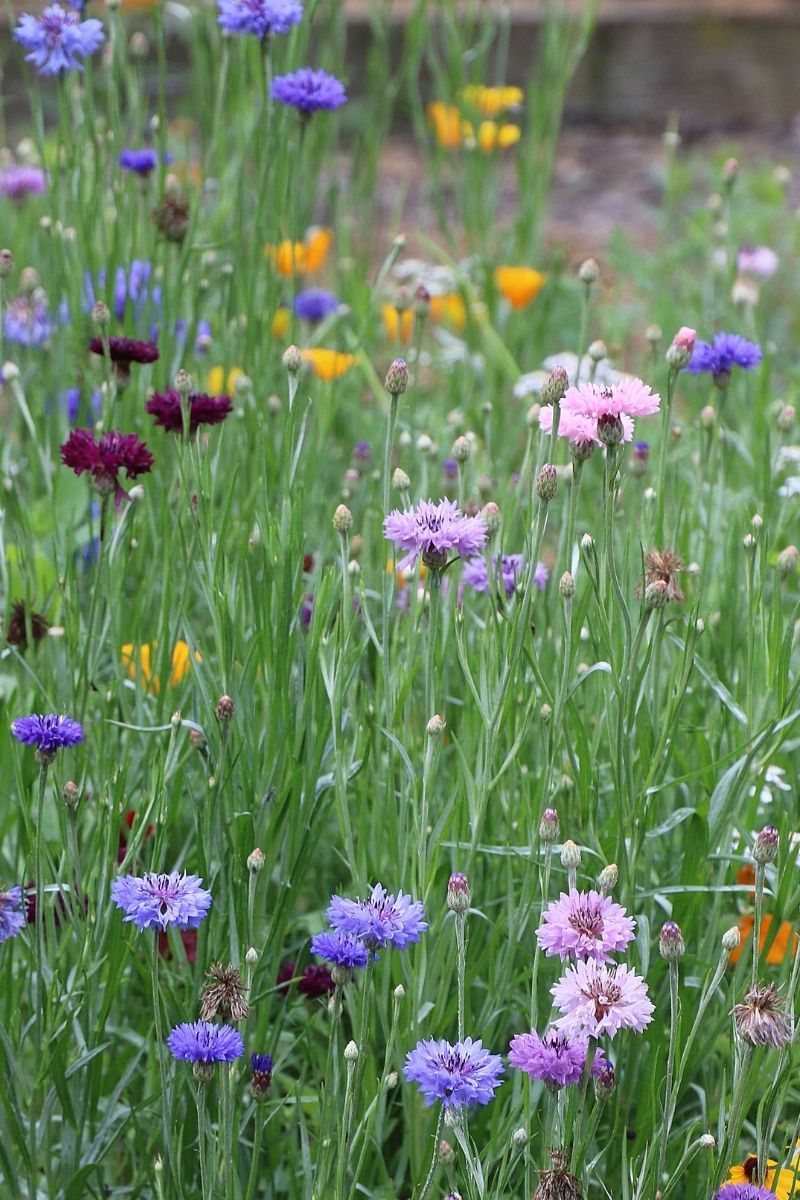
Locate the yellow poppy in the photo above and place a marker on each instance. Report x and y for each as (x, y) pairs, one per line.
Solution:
(492, 136)
(281, 322)
(301, 258)
(449, 309)
(784, 1184)
(139, 661)
(519, 285)
(780, 946)
(398, 323)
(489, 101)
(215, 380)
(328, 364)
(447, 124)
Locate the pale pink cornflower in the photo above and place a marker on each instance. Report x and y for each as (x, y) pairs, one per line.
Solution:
(585, 925)
(597, 999)
(583, 406)
(760, 261)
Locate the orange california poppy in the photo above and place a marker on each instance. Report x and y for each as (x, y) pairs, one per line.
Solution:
(519, 285)
(784, 1184)
(784, 938)
(328, 364)
(490, 101)
(398, 323)
(301, 258)
(449, 309)
(139, 661)
(447, 124)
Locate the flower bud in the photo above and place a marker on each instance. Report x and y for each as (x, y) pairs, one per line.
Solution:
(462, 449)
(653, 334)
(446, 1152)
(399, 992)
(435, 726)
(491, 517)
(545, 713)
(708, 416)
(570, 856)
(605, 1081)
(397, 378)
(176, 719)
(787, 561)
(197, 740)
(519, 1138)
(71, 794)
(351, 1052)
(458, 893)
(554, 390)
(731, 938)
(707, 1141)
(588, 272)
(183, 383)
(255, 861)
(100, 314)
(587, 543)
(730, 171)
(597, 351)
(670, 942)
(292, 359)
(547, 482)
(766, 845)
(400, 481)
(607, 879)
(786, 418)
(392, 1080)
(566, 586)
(251, 958)
(225, 710)
(656, 595)
(549, 826)
(6, 263)
(749, 544)
(342, 519)
(610, 429)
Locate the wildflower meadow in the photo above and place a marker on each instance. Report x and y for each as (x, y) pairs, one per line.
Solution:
(399, 672)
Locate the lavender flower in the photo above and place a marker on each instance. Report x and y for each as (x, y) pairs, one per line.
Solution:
(341, 948)
(760, 261)
(261, 18)
(12, 913)
(203, 1042)
(584, 925)
(743, 1191)
(556, 1059)
(27, 322)
(309, 91)
(314, 304)
(461, 1076)
(48, 734)
(476, 574)
(58, 39)
(382, 920)
(728, 350)
(432, 530)
(161, 901)
(17, 182)
(141, 162)
(597, 999)
(203, 410)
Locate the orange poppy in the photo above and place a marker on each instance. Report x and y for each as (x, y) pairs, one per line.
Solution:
(301, 258)
(519, 285)
(447, 124)
(784, 938)
(328, 364)
(139, 661)
(449, 309)
(398, 323)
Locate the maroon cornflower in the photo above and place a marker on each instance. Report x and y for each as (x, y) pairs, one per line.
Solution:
(124, 351)
(203, 410)
(105, 459)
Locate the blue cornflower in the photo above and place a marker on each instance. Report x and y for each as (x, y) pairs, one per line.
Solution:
(382, 920)
(728, 350)
(308, 90)
(142, 162)
(48, 734)
(259, 17)
(341, 948)
(57, 39)
(161, 901)
(27, 322)
(743, 1191)
(71, 400)
(314, 304)
(461, 1076)
(12, 913)
(200, 1041)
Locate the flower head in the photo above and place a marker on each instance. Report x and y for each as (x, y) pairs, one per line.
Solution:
(476, 573)
(588, 405)
(225, 993)
(260, 18)
(27, 322)
(728, 350)
(662, 566)
(160, 901)
(461, 1076)
(300, 258)
(58, 39)
(380, 920)
(343, 949)
(584, 925)
(165, 407)
(556, 1059)
(12, 913)
(262, 1075)
(205, 1043)
(16, 182)
(596, 999)
(139, 661)
(48, 734)
(328, 364)
(519, 285)
(743, 1191)
(141, 162)
(491, 101)
(104, 459)
(760, 261)
(760, 1020)
(781, 1184)
(309, 91)
(20, 620)
(125, 350)
(432, 530)
(314, 304)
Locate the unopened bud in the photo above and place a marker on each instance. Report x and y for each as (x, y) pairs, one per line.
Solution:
(399, 992)
(462, 449)
(787, 561)
(670, 942)
(587, 543)
(225, 710)
(610, 429)
(708, 416)
(400, 481)
(549, 826)
(653, 334)
(6, 263)
(351, 1052)
(176, 720)
(71, 793)
(547, 482)
(435, 726)
(731, 938)
(787, 415)
(491, 517)
(588, 271)
(100, 314)
(446, 1152)
(749, 543)
(392, 1080)
(251, 958)
(342, 519)
(766, 845)
(545, 713)
(730, 171)
(607, 879)
(397, 378)
(605, 1081)
(292, 359)
(255, 861)
(566, 586)
(707, 1141)
(183, 383)
(597, 351)
(458, 893)
(570, 856)
(555, 389)
(519, 1138)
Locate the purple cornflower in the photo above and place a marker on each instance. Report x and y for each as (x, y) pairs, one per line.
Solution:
(203, 410)
(262, 1075)
(314, 304)
(48, 734)
(450, 468)
(382, 920)
(476, 574)
(27, 322)
(461, 1076)
(161, 901)
(16, 182)
(760, 261)
(200, 1041)
(584, 925)
(58, 39)
(309, 91)
(105, 459)
(431, 530)
(12, 913)
(596, 999)
(362, 451)
(743, 1191)
(307, 610)
(141, 162)
(728, 350)
(343, 949)
(124, 350)
(555, 1058)
(261, 18)
(72, 403)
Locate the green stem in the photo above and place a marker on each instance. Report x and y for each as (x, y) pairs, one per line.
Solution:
(201, 1140)
(461, 967)
(426, 1187)
(434, 591)
(673, 1039)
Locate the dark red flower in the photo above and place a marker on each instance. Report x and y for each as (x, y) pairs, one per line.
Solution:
(308, 563)
(189, 939)
(60, 913)
(122, 848)
(126, 350)
(317, 981)
(105, 459)
(18, 623)
(203, 410)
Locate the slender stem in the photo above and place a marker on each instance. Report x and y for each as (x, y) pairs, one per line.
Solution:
(758, 909)
(163, 1070)
(252, 1178)
(673, 1039)
(434, 590)
(226, 1084)
(426, 1187)
(544, 882)
(201, 1140)
(461, 967)
(666, 418)
(344, 1132)
(578, 1122)
(388, 575)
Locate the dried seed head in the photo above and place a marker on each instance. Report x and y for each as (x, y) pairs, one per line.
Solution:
(760, 1020)
(663, 566)
(557, 1183)
(225, 994)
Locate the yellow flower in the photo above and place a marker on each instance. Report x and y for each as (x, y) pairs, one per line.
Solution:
(447, 124)
(449, 309)
(489, 101)
(784, 1184)
(398, 323)
(519, 285)
(215, 379)
(301, 258)
(139, 661)
(497, 137)
(328, 364)
(281, 322)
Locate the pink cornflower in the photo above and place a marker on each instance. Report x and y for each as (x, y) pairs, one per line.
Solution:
(597, 999)
(585, 925)
(556, 1059)
(760, 261)
(583, 406)
(432, 530)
